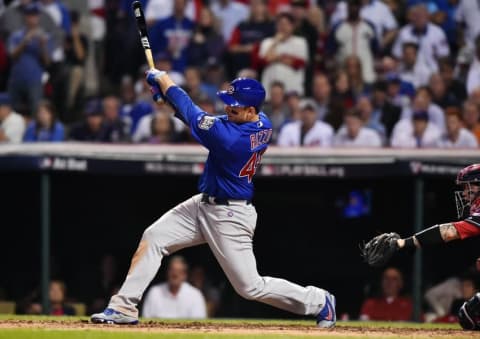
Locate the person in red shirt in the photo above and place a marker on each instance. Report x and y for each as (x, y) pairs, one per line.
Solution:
(390, 306)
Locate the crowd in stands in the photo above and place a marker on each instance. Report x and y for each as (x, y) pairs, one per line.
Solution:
(359, 73)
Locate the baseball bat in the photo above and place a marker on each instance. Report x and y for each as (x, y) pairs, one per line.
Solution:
(142, 30)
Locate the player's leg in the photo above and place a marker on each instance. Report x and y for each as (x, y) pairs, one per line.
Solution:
(176, 229)
(229, 232)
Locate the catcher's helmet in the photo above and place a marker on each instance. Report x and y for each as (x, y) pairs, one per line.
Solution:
(243, 92)
(468, 177)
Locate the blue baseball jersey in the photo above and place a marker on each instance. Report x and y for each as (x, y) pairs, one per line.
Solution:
(235, 150)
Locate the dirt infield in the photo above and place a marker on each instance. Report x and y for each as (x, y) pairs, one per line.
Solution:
(344, 330)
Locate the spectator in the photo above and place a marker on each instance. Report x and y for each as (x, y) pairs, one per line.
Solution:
(308, 131)
(93, 128)
(353, 69)
(45, 127)
(133, 108)
(162, 129)
(396, 91)
(440, 96)
(423, 102)
(416, 132)
(13, 20)
(293, 103)
(76, 52)
(284, 56)
(456, 135)
(390, 306)
(194, 85)
(429, 37)
(199, 279)
(156, 10)
(473, 76)
(467, 15)
(389, 113)
(321, 95)
(388, 71)
(57, 296)
(173, 34)
(276, 108)
(471, 118)
(440, 298)
(342, 99)
(378, 14)
(175, 298)
(58, 307)
(206, 41)
(455, 87)
(246, 37)
(118, 128)
(143, 131)
(371, 117)
(354, 36)
(230, 13)
(12, 124)
(411, 68)
(30, 50)
(354, 134)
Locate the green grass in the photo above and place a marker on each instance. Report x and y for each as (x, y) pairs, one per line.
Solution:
(303, 329)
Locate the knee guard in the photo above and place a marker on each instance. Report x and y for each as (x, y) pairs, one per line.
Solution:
(469, 314)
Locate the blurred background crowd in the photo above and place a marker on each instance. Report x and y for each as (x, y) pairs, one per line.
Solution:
(361, 73)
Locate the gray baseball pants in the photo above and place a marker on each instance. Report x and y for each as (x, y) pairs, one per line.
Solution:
(228, 230)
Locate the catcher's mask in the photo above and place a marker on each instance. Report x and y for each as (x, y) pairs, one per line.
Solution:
(469, 178)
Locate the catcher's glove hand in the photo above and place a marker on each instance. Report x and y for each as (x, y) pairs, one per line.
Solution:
(380, 249)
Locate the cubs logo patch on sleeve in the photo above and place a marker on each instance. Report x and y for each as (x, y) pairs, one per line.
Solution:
(206, 122)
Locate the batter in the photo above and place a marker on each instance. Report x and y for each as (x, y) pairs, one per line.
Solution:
(222, 215)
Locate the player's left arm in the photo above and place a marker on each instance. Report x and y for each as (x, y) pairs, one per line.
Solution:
(205, 128)
(443, 233)
(380, 249)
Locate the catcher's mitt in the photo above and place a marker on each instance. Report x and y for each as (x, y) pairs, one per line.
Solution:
(380, 249)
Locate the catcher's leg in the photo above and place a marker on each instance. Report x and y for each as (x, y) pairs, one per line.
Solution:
(229, 231)
(176, 229)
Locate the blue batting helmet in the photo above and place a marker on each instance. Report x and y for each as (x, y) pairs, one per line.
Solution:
(243, 92)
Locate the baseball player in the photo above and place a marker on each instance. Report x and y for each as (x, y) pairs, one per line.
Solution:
(222, 215)
(381, 248)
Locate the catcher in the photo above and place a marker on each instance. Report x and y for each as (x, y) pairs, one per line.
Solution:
(380, 249)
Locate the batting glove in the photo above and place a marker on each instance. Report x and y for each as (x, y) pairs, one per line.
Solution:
(156, 93)
(154, 74)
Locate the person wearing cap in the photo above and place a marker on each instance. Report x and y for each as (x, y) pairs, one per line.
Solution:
(12, 124)
(416, 132)
(456, 135)
(308, 131)
(354, 134)
(423, 102)
(222, 215)
(93, 128)
(30, 49)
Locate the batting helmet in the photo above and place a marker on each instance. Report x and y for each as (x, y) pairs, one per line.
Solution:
(243, 92)
(468, 197)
